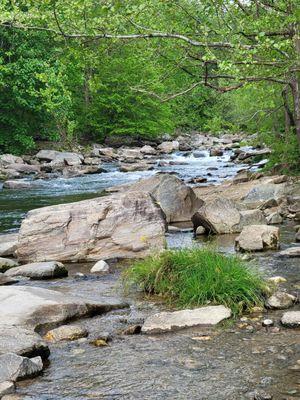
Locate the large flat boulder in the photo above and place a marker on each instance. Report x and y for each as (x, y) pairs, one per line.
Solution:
(64, 157)
(10, 159)
(263, 193)
(25, 309)
(127, 225)
(177, 200)
(171, 321)
(39, 270)
(222, 215)
(258, 238)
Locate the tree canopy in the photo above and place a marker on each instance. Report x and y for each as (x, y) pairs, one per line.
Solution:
(147, 68)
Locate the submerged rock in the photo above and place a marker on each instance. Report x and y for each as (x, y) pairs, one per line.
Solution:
(66, 332)
(39, 270)
(257, 238)
(15, 368)
(171, 321)
(125, 225)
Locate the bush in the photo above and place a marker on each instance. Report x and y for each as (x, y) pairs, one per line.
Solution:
(194, 277)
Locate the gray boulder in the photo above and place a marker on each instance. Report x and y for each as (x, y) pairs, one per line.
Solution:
(6, 264)
(258, 238)
(128, 225)
(66, 158)
(18, 184)
(148, 150)
(263, 193)
(39, 270)
(291, 319)
(10, 159)
(7, 387)
(168, 147)
(100, 266)
(177, 200)
(66, 332)
(280, 301)
(291, 252)
(171, 321)
(14, 367)
(222, 215)
(8, 244)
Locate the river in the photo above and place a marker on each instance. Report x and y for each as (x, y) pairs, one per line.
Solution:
(223, 363)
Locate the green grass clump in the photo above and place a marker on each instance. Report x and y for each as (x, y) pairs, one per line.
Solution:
(196, 277)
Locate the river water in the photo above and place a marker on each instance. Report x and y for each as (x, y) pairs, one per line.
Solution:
(223, 363)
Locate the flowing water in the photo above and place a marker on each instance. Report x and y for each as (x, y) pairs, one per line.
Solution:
(227, 362)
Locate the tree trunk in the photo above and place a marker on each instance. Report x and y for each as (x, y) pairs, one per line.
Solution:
(288, 114)
(296, 97)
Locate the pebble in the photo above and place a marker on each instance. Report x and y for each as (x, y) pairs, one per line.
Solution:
(267, 322)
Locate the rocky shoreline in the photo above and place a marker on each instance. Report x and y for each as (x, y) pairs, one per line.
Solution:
(129, 222)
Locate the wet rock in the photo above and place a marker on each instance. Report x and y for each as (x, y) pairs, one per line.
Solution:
(67, 158)
(10, 159)
(290, 253)
(199, 154)
(22, 341)
(168, 147)
(199, 179)
(200, 230)
(177, 200)
(274, 218)
(40, 270)
(260, 194)
(6, 264)
(7, 387)
(135, 167)
(8, 244)
(277, 279)
(118, 226)
(92, 161)
(35, 307)
(4, 280)
(215, 152)
(100, 266)
(291, 319)
(18, 184)
(297, 236)
(171, 321)
(132, 330)
(222, 215)
(267, 322)
(148, 150)
(257, 238)
(14, 367)
(99, 342)
(66, 332)
(280, 301)
(262, 395)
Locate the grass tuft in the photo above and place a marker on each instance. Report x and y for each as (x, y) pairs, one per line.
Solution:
(196, 277)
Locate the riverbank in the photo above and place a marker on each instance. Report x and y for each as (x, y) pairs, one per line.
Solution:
(234, 361)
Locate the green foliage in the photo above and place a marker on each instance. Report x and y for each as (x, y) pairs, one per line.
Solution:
(195, 277)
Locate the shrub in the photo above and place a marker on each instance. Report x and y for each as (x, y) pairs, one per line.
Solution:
(194, 277)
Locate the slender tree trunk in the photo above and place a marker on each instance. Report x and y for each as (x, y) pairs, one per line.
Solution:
(288, 114)
(296, 98)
